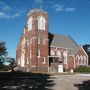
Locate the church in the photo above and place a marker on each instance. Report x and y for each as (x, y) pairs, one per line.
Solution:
(39, 50)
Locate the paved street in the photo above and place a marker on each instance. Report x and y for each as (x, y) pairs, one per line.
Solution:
(29, 81)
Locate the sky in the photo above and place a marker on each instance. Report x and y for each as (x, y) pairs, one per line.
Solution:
(66, 17)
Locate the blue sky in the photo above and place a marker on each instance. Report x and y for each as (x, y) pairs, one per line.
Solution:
(67, 17)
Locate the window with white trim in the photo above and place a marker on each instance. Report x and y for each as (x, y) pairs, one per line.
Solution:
(77, 58)
(65, 57)
(44, 60)
(22, 60)
(30, 23)
(19, 61)
(23, 44)
(58, 53)
(52, 52)
(41, 23)
(38, 53)
(27, 60)
(85, 60)
(81, 59)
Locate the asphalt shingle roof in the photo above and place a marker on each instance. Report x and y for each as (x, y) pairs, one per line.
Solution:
(65, 42)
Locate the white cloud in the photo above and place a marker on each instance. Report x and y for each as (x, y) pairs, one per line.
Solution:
(39, 1)
(4, 7)
(59, 8)
(10, 16)
(1, 14)
(6, 12)
(69, 9)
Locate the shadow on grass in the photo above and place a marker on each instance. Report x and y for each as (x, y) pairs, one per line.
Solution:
(25, 81)
(83, 86)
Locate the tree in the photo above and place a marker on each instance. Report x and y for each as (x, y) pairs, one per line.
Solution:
(87, 49)
(12, 63)
(3, 54)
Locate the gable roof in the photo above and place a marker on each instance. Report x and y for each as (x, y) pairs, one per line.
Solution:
(63, 41)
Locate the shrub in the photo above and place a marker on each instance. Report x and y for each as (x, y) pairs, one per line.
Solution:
(83, 69)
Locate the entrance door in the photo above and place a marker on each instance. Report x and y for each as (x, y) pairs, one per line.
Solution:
(60, 68)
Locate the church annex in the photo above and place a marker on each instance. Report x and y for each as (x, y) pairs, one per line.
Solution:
(41, 51)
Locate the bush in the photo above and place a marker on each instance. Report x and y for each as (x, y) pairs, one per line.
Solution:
(83, 69)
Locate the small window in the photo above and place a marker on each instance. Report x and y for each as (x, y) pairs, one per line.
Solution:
(41, 23)
(30, 23)
(58, 53)
(23, 44)
(85, 59)
(27, 60)
(52, 52)
(19, 61)
(44, 60)
(22, 60)
(65, 57)
(38, 53)
(77, 58)
(81, 59)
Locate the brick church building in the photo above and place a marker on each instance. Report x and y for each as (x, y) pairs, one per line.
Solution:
(41, 51)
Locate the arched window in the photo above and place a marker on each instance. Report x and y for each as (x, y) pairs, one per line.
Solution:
(44, 60)
(41, 23)
(81, 59)
(19, 61)
(23, 44)
(30, 23)
(58, 53)
(65, 57)
(52, 52)
(22, 60)
(77, 58)
(85, 59)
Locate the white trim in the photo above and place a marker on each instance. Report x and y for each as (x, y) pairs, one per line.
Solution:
(86, 54)
(60, 47)
(54, 56)
(30, 22)
(84, 51)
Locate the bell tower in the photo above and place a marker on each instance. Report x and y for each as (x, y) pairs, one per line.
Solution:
(37, 25)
